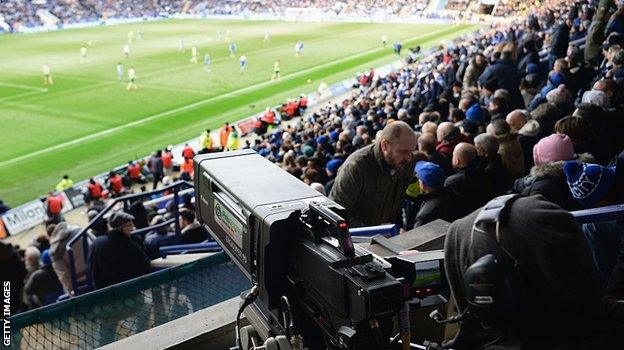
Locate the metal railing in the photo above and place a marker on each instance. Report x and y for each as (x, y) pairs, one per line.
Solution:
(85, 238)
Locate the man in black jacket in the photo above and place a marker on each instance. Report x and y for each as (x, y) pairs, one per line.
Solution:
(563, 306)
(435, 198)
(192, 231)
(115, 257)
(468, 183)
(492, 164)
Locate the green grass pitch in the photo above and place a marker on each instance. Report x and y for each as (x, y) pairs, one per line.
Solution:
(87, 123)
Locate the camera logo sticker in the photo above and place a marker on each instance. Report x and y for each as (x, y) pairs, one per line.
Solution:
(228, 222)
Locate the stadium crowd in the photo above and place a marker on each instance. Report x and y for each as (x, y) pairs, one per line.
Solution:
(438, 139)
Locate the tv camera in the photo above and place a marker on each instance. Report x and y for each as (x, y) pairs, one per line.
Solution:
(312, 287)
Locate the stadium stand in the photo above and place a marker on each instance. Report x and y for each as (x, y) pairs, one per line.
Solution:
(541, 114)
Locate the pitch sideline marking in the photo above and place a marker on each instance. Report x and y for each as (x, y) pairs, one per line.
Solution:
(21, 86)
(189, 106)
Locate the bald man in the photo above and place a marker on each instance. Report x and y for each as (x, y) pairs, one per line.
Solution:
(371, 183)
(529, 133)
(469, 184)
(448, 136)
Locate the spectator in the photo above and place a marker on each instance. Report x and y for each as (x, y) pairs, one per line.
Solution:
(448, 136)
(492, 164)
(509, 148)
(372, 182)
(468, 183)
(59, 238)
(188, 152)
(331, 169)
(557, 273)
(592, 185)
(583, 138)
(12, 269)
(158, 238)
(187, 169)
(559, 42)
(546, 177)
(504, 72)
(528, 131)
(192, 231)
(134, 172)
(43, 287)
(31, 260)
(64, 184)
(205, 142)
(115, 258)
(475, 69)
(139, 212)
(427, 145)
(435, 200)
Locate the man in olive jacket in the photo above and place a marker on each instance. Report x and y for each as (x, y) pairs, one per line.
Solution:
(371, 183)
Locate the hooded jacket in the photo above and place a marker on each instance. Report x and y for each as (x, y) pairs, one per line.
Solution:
(61, 235)
(473, 71)
(558, 278)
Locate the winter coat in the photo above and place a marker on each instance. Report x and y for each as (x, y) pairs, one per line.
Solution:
(560, 40)
(507, 77)
(512, 155)
(558, 277)
(371, 192)
(193, 233)
(44, 286)
(61, 235)
(472, 74)
(115, 258)
(496, 174)
(435, 205)
(470, 188)
(528, 136)
(549, 181)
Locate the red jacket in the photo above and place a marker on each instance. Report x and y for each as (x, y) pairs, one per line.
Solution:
(134, 171)
(167, 159)
(116, 184)
(95, 190)
(55, 204)
(188, 152)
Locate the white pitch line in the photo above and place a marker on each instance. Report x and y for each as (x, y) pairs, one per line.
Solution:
(13, 97)
(191, 106)
(20, 86)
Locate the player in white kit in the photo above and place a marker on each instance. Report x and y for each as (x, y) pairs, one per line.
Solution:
(83, 54)
(47, 76)
(242, 62)
(132, 80)
(193, 54)
(119, 71)
(126, 50)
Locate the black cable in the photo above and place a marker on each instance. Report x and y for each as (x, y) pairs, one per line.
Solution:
(287, 310)
(249, 298)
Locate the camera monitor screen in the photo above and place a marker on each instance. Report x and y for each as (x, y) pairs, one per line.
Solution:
(428, 274)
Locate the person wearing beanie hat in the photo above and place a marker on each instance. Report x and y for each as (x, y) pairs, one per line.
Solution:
(546, 177)
(588, 183)
(593, 185)
(434, 198)
(43, 286)
(115, 257)
(597, 98)
(331, 168)
(532, 68)
(475, 114)
(307, 151)
(553, 148)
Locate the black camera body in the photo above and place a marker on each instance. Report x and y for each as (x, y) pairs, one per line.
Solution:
(291, 241)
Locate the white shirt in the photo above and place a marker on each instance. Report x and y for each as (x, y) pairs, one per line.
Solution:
(45, 69)
(83, 51)
(194, 51)
(242, 60)
(131, 73)
(126, 49)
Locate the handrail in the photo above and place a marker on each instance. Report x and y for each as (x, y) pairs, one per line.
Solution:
(186, 248)
(613, 212)
(100, 216)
